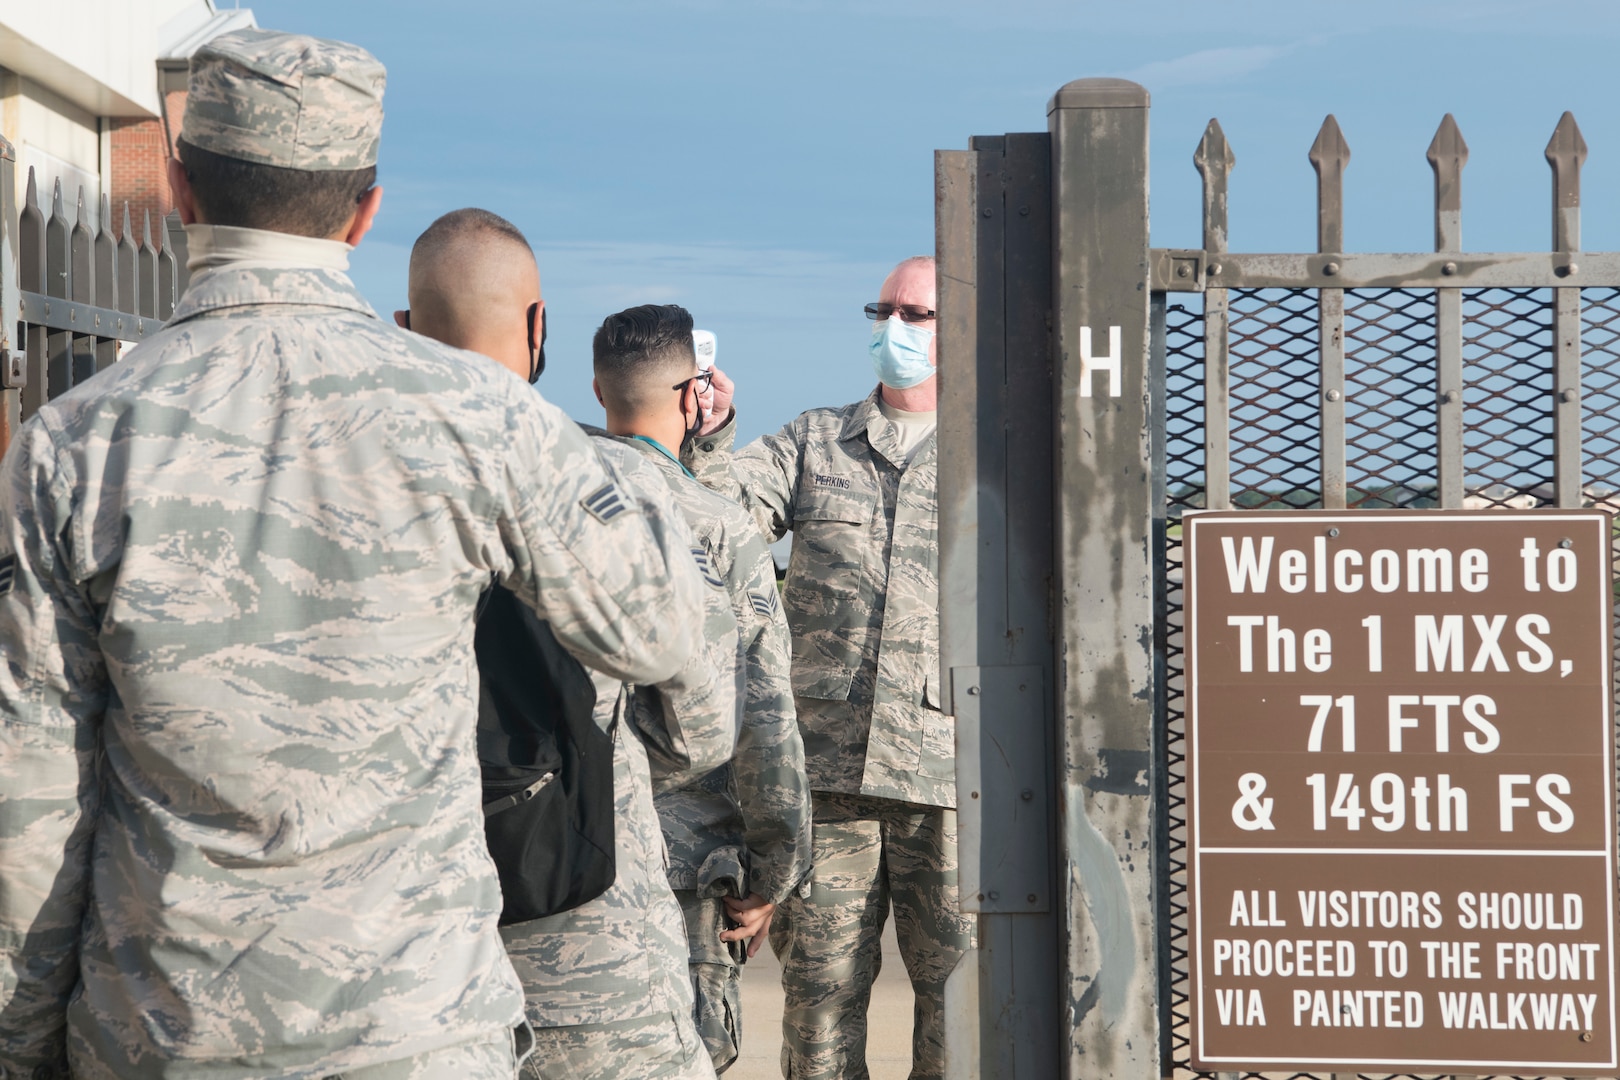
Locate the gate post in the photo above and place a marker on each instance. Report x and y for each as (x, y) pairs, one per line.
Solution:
(1105, 616)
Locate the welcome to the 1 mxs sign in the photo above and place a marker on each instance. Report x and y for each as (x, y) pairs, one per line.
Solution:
(1401, 791)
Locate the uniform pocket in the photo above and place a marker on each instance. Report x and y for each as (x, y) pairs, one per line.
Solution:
(938, 745)
(829, 597)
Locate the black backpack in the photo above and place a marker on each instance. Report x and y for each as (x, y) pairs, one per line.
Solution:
(547, 767)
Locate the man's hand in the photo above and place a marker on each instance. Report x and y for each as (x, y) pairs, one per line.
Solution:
(752, 916)
(719, 406)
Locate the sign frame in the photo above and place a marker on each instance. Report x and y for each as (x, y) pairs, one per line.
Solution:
(1606, 1027)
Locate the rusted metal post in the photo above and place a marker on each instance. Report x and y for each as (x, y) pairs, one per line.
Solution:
(1566, 153)
(1447, 155)
(1105, 618)
(1329, 156)
(1214, 161)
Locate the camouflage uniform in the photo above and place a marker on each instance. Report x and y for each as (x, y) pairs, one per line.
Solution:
(239, 793)
(862, 602)
(606, 982)
(745, 827)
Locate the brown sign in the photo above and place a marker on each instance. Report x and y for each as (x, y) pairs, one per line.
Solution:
(1400, 773)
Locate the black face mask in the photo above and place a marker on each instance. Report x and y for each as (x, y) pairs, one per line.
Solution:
(537, 352)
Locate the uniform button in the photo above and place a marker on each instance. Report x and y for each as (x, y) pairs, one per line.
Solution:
(708, 448)
(43, 1072)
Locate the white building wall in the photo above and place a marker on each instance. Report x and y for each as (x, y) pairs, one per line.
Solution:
(99, 54)
(59, 140)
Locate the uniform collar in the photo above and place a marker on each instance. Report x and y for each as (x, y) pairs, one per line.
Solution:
(882, 433)
(664, 451)
(863, 416)
(243, 285)
(657, 451)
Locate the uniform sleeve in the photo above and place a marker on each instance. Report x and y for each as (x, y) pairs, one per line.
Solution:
(773, 791)
(610, 568)
(690, 723)
(52, 699)
(763, 477)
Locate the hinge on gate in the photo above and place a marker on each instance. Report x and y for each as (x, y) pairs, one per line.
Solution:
(1177, 270)
(13, 370)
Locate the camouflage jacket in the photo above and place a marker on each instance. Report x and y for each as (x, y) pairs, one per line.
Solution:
(623, 955)
(746, 826)
(239, 794)
(862, 593)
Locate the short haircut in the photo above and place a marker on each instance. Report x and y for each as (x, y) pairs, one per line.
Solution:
(248, 195)
(640, 353)
(466, 222)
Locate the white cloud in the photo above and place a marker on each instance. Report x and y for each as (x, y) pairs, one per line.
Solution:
(1208, 66)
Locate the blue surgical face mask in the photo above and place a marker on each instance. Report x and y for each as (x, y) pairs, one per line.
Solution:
(900, 354)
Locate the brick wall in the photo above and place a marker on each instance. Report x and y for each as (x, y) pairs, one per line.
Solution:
(139, 167)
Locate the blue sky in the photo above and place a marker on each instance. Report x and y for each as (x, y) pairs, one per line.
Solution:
(764, 162)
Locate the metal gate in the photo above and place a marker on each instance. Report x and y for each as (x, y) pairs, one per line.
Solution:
(71, 291)
(1093, 390)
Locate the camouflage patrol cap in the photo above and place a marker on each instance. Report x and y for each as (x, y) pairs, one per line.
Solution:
(285, 99)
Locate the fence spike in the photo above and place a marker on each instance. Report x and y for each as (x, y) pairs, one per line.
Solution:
(1329, 155)
(146, 271)
(1214, 161)
(31, 240)
(1566, 153)
(167, 279)
(82, 256)
(58, 264)
(106, 258)
(1447, 155)
(128, 279)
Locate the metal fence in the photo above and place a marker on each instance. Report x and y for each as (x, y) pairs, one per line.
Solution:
(1329, 379)
(71, 291)
(1405, 389)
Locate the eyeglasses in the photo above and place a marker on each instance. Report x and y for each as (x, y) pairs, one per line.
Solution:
(907, 312)
(704, 379)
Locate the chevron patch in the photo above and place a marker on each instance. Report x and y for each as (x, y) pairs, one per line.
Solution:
(605, 503)
(8, 573)
(706, 567)
(764, 604)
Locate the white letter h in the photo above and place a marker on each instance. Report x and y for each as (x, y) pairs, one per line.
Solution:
(1090, 363)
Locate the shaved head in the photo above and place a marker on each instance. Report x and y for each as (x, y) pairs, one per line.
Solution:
(473, 279)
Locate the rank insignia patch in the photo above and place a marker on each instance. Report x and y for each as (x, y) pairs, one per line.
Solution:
(706, 567)
(605, 503)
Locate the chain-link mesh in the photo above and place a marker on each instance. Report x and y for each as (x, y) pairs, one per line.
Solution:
(1390, 451)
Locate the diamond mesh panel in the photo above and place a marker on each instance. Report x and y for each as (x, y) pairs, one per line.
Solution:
(1389, 406)
(1507, 397)
(1184, 487)
(1275, 387)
